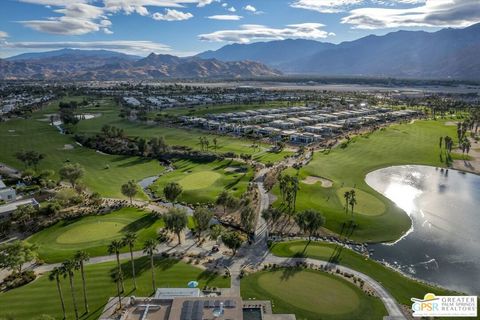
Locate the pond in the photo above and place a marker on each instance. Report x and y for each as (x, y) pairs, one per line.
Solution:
(443, 245)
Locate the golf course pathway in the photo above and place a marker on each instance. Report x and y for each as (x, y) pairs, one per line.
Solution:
(258, 253)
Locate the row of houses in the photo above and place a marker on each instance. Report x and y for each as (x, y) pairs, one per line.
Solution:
(301, 129)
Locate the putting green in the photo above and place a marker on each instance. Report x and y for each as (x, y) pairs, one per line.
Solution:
(199, 180)
(94, 231)
(202, 181)
(366, 203)
(311, 294)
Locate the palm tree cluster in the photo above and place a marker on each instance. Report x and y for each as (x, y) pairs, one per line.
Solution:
(204, 143)
(289, 187)
(350, 200)
(67, 270)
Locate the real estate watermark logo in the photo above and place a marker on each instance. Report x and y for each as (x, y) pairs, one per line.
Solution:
(444, 306)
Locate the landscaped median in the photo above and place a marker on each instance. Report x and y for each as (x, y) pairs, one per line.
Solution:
(311, 294)
(400, 287)
(41, 297)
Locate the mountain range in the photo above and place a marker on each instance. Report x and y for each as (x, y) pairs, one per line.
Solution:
(108, 65)
(445, 54)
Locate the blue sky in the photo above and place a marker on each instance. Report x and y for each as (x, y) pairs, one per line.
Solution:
(185, 27)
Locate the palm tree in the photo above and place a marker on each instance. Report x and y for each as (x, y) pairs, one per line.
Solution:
(68, 267)
(115, 247)
(346, 196)
(80, 258)
(129, 239)
(353, 200)
(149, 248)
(117, 277)
(55, 275)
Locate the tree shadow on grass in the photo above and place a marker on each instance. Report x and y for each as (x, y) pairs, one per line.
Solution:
(134, 162)
(142, 223)
(207, 276)
(223, 165)
(142, 265)
(289, 272)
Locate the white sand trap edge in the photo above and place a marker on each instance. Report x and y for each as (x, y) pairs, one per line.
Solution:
(312, 180)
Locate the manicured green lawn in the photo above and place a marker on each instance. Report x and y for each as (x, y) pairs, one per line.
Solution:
(202, 182)
(94, 233)
(401, 287)
(311, 294)
(103, 173)
(40, 297)
(176, 136)
(378, 218)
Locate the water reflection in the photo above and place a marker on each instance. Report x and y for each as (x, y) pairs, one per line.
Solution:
(443, 245)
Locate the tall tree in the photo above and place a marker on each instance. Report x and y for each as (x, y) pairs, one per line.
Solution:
(353, 200)
(55, 275)
(247, 218)
(202, 217)
(175, 221)
(149, 248)
(129, 190)
(80, 258)
(114, 248)
(309, 221)
(13, 255)
(222, 200)
(172, 191)
(233, 240)
(68, 268)
(346, 196)
(130, 239)
(71, 173)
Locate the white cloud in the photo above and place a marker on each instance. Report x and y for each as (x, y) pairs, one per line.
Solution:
(250, 8)
(172, 15)
(434, 13)
(230, 17)
(232, 9)
(325, 6)
(85, 16)
(63, 25)
(123, 46)
(249, 32)
(3, 35)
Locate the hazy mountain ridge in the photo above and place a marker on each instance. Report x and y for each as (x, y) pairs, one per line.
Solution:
(107, 65)
(448, 53)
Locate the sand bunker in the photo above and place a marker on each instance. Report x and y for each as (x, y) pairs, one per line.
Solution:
(67, 147)
(451, 123)
(235, 169)
(312, 180)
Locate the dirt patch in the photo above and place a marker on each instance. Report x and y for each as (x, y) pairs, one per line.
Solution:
(68, 147)
(235, 169)
(312, 180)
(451, 123)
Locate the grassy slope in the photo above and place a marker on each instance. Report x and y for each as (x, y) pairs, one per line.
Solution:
(94, 233)
(401, 287)
(175, 136)
(202, 182)
(41, 297)
(33, 134)
(398, 144)
(311, 295)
